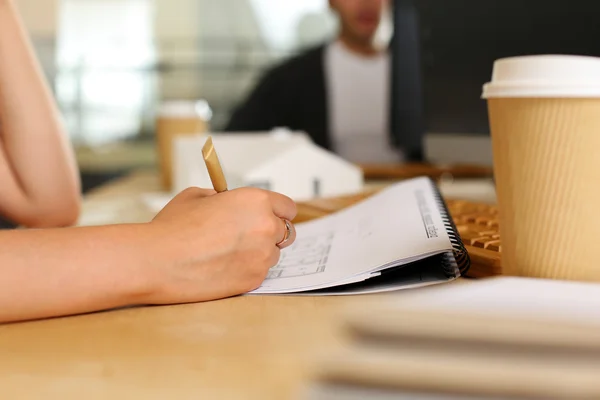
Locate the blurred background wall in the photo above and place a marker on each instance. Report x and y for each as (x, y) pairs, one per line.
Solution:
(111, 62)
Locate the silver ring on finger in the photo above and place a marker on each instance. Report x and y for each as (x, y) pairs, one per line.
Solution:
(288, 233)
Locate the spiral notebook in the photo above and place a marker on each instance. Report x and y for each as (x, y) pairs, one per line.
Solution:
(402, 237)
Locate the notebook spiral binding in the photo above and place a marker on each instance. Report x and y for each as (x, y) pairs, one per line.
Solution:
(460, 263)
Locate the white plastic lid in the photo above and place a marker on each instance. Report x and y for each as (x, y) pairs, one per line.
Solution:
(186, 109)
(545, 76)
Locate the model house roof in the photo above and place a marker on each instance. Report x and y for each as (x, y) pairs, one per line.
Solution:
(241, 153)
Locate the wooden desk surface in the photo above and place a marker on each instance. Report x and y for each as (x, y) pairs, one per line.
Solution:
(240, 348)
(247, 347)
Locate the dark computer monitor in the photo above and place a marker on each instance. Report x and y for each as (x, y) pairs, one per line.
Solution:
(443, 52)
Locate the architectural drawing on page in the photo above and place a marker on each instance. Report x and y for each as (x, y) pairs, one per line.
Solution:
(307, 256)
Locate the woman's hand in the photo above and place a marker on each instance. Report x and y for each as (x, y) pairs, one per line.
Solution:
(213, 246)
(201, 246)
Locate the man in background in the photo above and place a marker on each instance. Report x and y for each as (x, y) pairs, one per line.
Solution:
(337, 92)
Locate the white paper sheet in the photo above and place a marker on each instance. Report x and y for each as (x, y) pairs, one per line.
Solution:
(397, 226)
(514, 297)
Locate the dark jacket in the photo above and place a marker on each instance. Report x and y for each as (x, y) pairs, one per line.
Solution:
(292, 95)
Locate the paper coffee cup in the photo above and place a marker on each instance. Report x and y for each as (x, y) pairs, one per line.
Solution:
(544, 116)
(178, 117)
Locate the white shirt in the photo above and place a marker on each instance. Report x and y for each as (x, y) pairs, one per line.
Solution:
(358, 89)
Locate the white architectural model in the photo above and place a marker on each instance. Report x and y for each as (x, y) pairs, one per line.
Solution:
(281, 161)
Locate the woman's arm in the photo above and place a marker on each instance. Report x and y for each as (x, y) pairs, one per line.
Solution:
(64, 271)
(200, 247)
(39, 181)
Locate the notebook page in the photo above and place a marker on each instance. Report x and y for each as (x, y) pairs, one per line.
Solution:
(390, 282)
(396, 226)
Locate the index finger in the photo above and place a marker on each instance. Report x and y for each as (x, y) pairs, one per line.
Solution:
(283, 206)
